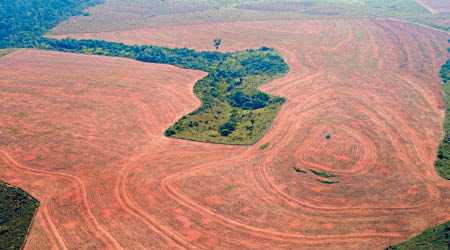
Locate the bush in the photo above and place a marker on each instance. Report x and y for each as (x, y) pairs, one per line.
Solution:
(227, 128)
(264, 146)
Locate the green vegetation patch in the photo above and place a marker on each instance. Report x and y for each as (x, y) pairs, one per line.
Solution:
(20, 114)
(53, 129)
(264, 146)
(298, 170)
(327, 181)
(434, 238)
(429, 24)
(233, 110)
(231, 187)
(323, 173)
(17, 210)
(4, 52)
(442, 162)
(22, 22)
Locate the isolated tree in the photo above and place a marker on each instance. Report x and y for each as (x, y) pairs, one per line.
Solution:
(217, 42)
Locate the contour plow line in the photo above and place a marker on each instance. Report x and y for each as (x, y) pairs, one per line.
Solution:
(110, 241)
(131, 207)
(166, 185)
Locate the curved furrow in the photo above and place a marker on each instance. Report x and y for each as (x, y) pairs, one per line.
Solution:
(90, 219)
(131, 207)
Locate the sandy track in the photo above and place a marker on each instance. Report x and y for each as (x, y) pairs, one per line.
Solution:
(427, 6)
(372, 85)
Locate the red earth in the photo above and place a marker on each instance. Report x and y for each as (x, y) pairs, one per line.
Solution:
(84, 135)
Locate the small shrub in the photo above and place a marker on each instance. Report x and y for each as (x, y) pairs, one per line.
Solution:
(323, 173)
(299, 170)
(264, 146)
(327, 182)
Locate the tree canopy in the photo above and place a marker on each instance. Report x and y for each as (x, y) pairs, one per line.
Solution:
(22, 22)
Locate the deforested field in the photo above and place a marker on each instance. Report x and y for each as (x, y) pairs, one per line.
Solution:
(347, 163)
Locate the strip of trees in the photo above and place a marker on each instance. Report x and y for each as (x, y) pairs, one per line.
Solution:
(442, 162)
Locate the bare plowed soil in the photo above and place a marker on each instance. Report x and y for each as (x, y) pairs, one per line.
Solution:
(84, 135)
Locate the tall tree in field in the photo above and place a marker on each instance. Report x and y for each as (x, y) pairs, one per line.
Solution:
(217, 42)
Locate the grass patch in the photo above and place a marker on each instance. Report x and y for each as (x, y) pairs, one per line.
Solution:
(323, 173)
(17, 209)
(53, 129)
(15, 131)
(100, 115)
(20, 115)
(80, 91)
(327, 181)
(4, 52)
(434, 238)
(231, 187)
(298, 170)
(120, 86)
(328, 136)
(431, 25)
(264, 146)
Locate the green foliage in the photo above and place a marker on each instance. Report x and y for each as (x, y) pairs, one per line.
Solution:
(22, 22)
(432, 25)
(231, 187)
(298, 170)
(17, 209)
(328, 136)
(233, 110)
(445, 71)
(327, 181)
(442, 162)
(217, 42)
(20, 114)
(264, 146)
(434, 238)
(323, 173)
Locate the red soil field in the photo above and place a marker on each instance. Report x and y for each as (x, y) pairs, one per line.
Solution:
(89, 142)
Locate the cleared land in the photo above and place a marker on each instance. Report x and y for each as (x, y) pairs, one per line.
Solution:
(89, 142)
(116, 15)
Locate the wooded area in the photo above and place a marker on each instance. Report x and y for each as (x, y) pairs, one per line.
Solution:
(22, 22)
(233, 110)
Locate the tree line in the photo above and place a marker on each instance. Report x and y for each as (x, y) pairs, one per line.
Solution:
(442, 162)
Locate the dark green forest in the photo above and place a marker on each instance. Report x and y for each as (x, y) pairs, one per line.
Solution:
(233, 110)
(442, 162)
(434, 238)
(17, 209)
(22, 22)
